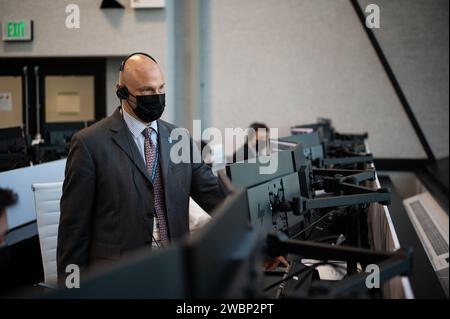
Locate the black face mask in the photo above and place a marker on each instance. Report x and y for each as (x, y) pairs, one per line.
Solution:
(149, 107)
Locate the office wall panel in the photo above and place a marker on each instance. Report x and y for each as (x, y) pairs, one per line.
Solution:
(414, 38)
(102, 32)
(288, 62)
(281, 62)
(10, 101)
(112, 78)
(69, 99)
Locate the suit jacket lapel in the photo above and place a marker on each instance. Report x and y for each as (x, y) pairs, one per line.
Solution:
(165, 162)
(122, 136)
(164, 150)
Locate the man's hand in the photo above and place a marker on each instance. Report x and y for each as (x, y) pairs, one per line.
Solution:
(272, 264)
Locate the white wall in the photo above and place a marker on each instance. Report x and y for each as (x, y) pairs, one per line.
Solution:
(106, 32)
(288, 62)
(281, 62)
(414, 39)
(112, 33)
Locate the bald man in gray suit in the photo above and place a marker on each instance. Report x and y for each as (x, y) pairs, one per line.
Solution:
(121, 190)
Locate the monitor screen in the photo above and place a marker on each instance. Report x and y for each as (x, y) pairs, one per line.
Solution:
(223, 252)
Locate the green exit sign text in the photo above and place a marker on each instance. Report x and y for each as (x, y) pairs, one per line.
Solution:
(18, 30)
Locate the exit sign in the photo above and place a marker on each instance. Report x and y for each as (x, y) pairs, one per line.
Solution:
(17, 30)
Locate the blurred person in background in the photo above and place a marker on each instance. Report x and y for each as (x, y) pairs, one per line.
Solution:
(256, 144)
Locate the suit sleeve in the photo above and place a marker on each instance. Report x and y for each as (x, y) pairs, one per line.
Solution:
(205, 187)
(76, 208)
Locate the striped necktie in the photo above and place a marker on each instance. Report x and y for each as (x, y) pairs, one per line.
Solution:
(153, 168)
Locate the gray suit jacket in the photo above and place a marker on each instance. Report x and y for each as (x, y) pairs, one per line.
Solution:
(107, 203)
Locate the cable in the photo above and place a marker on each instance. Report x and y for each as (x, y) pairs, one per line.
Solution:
(332, 238)
(315, 223)
(327, 225)
(331, 263)
(298, 272)
(310, 233)
(299, 282)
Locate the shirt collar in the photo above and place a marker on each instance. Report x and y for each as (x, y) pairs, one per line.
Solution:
(135, 126)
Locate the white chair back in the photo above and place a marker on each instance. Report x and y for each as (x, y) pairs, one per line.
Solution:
(47, 197)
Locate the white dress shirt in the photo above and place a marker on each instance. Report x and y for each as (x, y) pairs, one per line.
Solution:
(136, 128)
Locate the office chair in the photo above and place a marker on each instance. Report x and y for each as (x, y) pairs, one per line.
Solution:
(47, 197)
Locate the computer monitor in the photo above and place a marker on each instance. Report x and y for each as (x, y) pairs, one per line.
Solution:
(224, 257)
(13, 160)
(265, 203)
(57, 137)
(266, 192)
(278, 146)
(12, 140)
(220, 260)
(11, 132)
(323, 127)
(61, 133)
(328, 134)
(252, 172)
(308, 139)
(13, 149)
(312, 147)
(146, 274)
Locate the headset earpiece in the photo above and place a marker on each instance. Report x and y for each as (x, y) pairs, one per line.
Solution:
(122, 93)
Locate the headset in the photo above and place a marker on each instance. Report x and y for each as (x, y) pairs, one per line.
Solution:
(122, 92)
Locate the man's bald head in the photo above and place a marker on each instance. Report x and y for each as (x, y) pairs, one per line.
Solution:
(141, 76)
